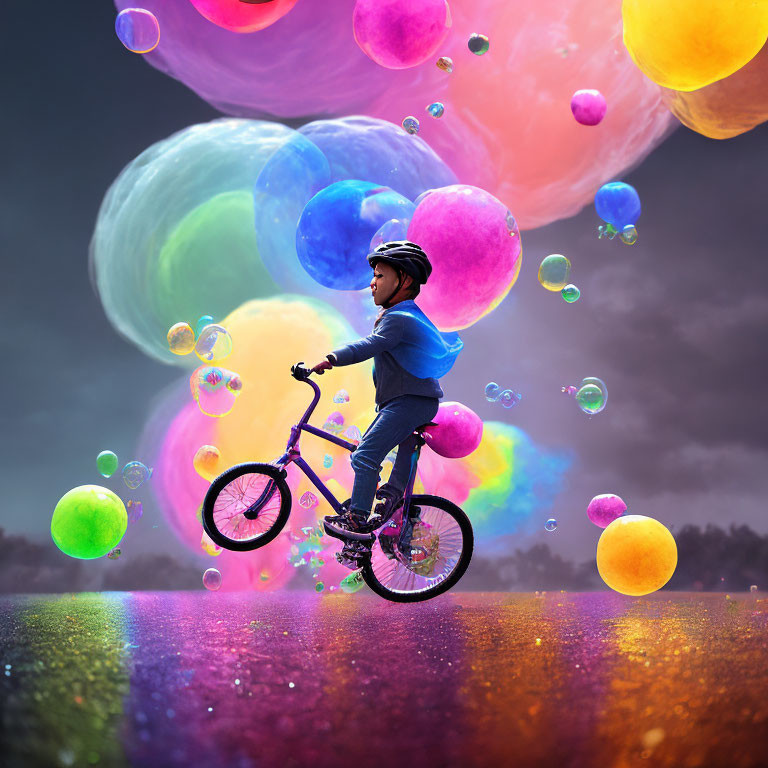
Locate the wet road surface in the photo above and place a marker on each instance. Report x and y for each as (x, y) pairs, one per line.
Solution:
(292, 679)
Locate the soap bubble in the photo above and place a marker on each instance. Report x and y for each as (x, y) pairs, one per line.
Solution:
(88, 522)
(336, 227)
(588, 106)
(445, 63)
(551, 524)
(263, 576)
(207, 462)
(464, 231)
(629, 235)
(665, 40)
(636, 555)
(342, 396)
(570, 293)
(478, 43)
(319, 587)
(115, 553)
(186, 245)
(308, 500)
(352, 583)
(215, 389)
(134, 510)
(389, 231)
(213, 343)
(401, 33)
(106, 463)
(135, 474)
(411, 124)
(243, 15)
(753, 588)
(212, 579)
(590, 399)
(492, 392)
(608, 231)
(353, 434)
(327, 461)
(569, 390)
(457, 430)
(554, 272)
(618, 204)
(605, 508)
(138, 30)
(181, 338)
(598, 383)
(202, 322)
(509, 399)
(436, 109)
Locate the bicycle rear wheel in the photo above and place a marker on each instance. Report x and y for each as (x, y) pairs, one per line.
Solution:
(247, 506)
(426, 563)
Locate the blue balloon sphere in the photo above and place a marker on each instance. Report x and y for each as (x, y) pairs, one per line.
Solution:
(618, 203)
(336, 227)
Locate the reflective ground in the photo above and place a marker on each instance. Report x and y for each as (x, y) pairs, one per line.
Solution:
(218, 680)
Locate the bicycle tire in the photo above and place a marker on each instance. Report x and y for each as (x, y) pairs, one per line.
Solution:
(468, 542)
(222, 481)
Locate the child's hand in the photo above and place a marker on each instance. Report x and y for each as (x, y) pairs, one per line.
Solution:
(322, 367)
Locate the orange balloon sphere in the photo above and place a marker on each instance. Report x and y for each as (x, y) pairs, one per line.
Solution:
(636, 555)
(728, 107)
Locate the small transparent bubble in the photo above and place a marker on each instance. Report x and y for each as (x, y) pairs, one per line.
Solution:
(478, 44)
(411, 125)
(492, 392)
(551, 524)
(629, 235)
(445, 63)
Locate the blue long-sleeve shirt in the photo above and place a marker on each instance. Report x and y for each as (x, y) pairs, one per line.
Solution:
(389, 377)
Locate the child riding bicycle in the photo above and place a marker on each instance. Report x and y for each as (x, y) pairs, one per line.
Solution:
(409, 355)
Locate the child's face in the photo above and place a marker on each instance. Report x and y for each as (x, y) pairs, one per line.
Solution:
(384, 281)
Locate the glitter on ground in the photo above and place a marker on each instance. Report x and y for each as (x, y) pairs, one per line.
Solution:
(669, 680)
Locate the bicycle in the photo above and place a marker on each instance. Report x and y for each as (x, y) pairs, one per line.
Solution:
(421, 548)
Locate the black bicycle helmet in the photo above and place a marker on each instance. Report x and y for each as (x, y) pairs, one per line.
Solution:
(407, 258)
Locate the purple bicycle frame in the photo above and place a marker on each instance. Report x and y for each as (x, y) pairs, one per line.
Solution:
(293, 452)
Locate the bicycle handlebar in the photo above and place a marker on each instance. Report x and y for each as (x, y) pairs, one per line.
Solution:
(299, 372)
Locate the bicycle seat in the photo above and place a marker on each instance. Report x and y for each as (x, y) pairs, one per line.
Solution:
(423, 427)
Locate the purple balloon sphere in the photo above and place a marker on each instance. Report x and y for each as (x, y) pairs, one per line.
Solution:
(605, 508)
(458, 432)
(588, 107)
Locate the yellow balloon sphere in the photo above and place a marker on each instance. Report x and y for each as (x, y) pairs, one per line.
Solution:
(688, 44)
(555, 272)
(636, 555)
(181, 339)
(207, 462)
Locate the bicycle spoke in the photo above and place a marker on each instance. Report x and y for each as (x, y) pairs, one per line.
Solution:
(234, 500)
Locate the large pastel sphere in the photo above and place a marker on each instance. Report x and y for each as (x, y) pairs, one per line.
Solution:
(243, 15)
(605, 508)
(88, 522)
(588, 106)
(336, 227)
(636, 555)
(618, 203)
(728, 107)
(473, 243)
(688, 44)
(457, 433)
(138, 30)
(400, 33)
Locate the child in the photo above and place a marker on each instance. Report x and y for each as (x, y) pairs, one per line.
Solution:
(409, 355)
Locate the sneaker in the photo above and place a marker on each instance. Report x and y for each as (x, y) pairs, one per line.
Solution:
(388, 496)
(351, 526)
(352, 554)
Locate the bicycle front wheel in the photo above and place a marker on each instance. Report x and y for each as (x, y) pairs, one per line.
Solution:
(247, 506)
(429, 559)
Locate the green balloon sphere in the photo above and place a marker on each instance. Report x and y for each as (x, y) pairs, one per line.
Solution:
(88, 522)
(106, 463)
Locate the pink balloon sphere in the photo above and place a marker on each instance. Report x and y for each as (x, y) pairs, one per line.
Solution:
(588, 107)
(605, 508)
(243, 15)
(458, 432)
(399, 34)
(473, 243)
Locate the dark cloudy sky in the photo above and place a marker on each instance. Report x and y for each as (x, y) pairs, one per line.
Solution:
(676, 325)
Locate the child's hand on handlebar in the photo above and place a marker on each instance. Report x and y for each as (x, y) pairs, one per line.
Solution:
(322, 367)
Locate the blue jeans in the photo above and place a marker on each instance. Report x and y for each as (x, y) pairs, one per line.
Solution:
(393, 426)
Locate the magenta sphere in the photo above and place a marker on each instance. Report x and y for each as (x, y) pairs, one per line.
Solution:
(458, 432)
(588, 107)
(473, 243)
(399, 34)
(605, 508)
